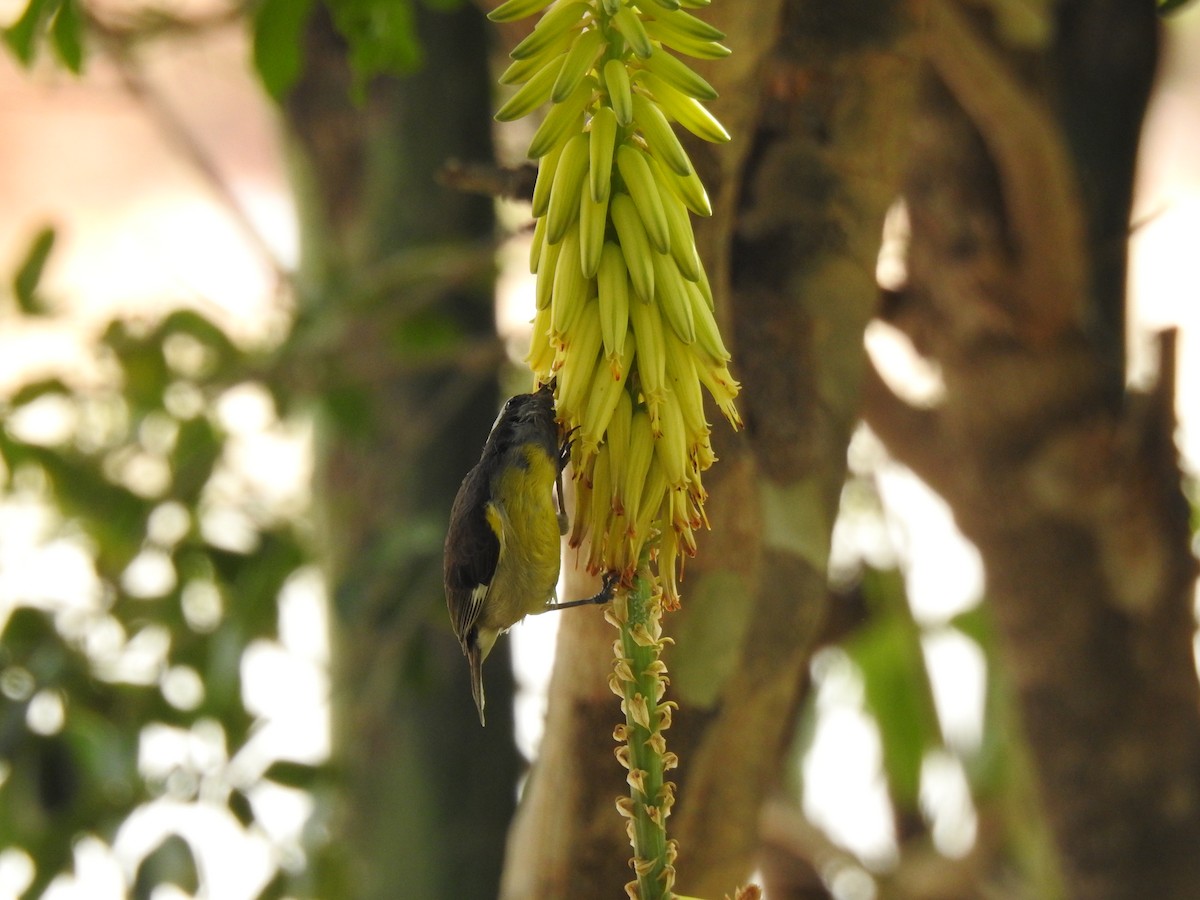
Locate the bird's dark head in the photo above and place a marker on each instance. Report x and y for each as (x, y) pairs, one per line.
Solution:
(526, 417)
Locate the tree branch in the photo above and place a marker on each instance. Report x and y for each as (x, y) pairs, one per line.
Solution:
(1071, 491)
(1041, 196)
(508, 182)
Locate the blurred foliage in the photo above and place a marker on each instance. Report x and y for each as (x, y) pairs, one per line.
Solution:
(883, 651)
(126, 479)
(1166, 7)
(57, 22)
(29, 274)
(381, 36)
(897, 694)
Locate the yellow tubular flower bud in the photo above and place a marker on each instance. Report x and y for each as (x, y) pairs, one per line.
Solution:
(570, 287)
(648, 336)
(685, 23)
(690, 190)
(536, 243)
(593, 222)
(563, 121)
(603, 395)
(640, 183)
(550, 28)
(680, 76)
(532, 94)
(547, 264)
(512, 10)
(630, 25)
(685, 44)
(708, 336)
(521, 70)
(601, 146)
(612, 283)
(685, 385)
(687, 111)
(671, 444)
(637, 462)
(659, 136)
(545, 181)
(619, 430)
(568, 184)
(620, 96)
(578, 62)
(635, 245)
(584, 359)
(672, 296)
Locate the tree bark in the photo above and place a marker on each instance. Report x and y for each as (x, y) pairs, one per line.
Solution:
(1067, 483)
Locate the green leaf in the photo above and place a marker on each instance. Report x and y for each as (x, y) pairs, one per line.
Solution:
(896, 685)
(29, 273)
(976, 623)
(279, 43)
(1166, 7)
(112, 515)
(200, 329)
(197, 449)
(240, 806)
(22, 35)
(67, 36)
(171, 863)
(27, 630)
(256, 580)
(58, 776)
(107, 750)
(143, 365)
(382, 35)
(276, 888)
(34, 390)
(296, 775)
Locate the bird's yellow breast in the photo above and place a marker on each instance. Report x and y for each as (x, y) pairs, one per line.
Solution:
(523, 515)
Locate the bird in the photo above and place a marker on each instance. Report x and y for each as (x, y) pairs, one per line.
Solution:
(502, 550)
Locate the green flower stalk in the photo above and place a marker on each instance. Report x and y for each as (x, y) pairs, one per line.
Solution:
(625, 329)
(639, 679)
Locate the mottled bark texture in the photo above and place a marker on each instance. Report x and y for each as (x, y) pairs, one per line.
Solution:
(1018, 195)
(818, 105)
(396, 281)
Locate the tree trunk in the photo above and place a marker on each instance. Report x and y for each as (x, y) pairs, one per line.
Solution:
(396, 290)
(818, 113)
(1018, 195)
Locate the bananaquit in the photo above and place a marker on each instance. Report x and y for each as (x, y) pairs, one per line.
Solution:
(502, 547)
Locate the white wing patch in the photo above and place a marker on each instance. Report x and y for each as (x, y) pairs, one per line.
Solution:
(474, 606)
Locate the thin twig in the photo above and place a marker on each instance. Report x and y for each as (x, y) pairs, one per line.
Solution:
(508, 182)
(148, 24)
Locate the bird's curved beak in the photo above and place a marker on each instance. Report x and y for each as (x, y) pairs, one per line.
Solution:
(475, 660)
